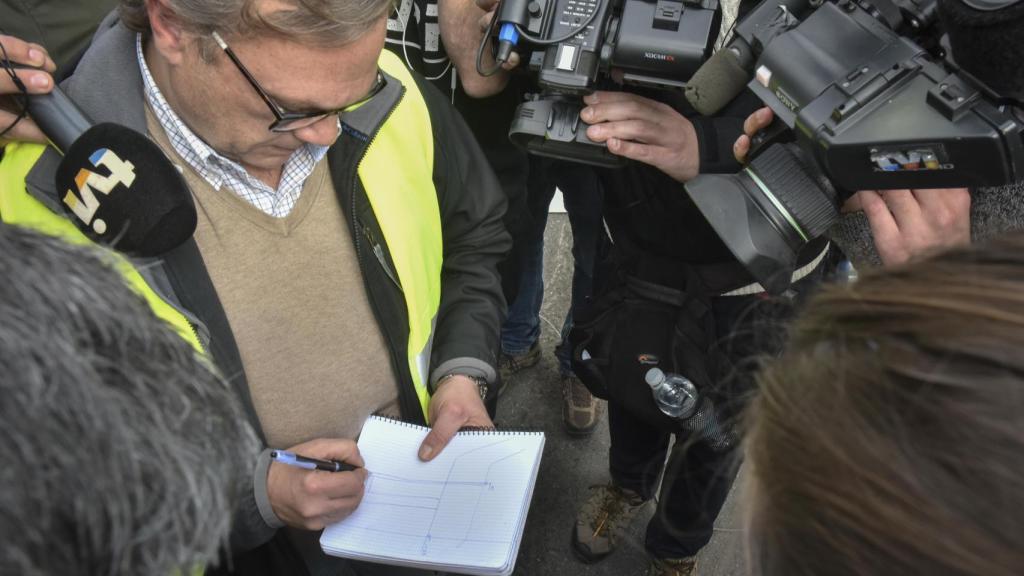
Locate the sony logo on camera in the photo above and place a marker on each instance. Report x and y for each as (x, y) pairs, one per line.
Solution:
(785, 99)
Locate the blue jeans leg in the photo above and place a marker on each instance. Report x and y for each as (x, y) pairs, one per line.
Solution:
(522, 326)
(581, 192)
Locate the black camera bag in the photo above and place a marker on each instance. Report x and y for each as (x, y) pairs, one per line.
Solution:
(631, 325)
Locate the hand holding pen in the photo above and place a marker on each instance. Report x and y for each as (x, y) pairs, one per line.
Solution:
(299, 461)
(303, 497)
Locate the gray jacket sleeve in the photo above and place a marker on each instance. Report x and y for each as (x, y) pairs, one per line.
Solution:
(472, 204)
(254, 522)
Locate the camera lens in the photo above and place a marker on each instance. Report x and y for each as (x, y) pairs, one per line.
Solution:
(768, 212)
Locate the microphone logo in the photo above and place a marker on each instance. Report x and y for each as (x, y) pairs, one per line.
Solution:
(85, 203)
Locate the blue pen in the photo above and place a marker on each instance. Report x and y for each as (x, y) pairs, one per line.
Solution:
(293, 459)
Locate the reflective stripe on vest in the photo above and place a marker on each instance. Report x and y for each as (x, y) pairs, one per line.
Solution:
(18, 207)
(405, 204)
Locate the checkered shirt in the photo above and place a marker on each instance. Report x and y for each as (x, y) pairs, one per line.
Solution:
(222, 172)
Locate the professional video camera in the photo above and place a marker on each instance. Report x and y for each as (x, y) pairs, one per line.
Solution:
(658, 43)
(869, 107)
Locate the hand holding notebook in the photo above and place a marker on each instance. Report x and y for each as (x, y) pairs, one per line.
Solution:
(457, 402)
(464, 511)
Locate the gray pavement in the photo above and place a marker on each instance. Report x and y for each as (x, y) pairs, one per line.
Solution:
(570, 466)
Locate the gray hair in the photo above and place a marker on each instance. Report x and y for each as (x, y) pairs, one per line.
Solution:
(324, 22)
(123, 453)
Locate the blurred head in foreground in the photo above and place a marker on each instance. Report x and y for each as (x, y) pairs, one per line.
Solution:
(121, 451)
(888, 438)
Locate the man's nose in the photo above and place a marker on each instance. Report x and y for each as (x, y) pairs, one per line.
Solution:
(321, 133)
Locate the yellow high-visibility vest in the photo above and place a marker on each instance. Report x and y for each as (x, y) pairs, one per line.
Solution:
(397, 174)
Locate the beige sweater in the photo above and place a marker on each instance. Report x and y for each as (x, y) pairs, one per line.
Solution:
(314, 356)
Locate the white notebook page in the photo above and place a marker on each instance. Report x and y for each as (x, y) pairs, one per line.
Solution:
(465, 508)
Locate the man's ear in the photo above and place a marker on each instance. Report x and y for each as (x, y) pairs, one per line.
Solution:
(168, 37)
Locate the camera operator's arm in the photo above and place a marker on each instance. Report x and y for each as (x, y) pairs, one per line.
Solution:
(904, 223)
(35, 81)
(644, 130)
(462, 24)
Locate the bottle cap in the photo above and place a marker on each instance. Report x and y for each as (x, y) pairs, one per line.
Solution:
(654, 377)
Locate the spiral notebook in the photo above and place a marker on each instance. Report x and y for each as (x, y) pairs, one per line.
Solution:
(462, 512)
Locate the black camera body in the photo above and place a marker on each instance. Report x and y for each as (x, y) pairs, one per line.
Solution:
(866, 106)
(876, 111)
(656, 43)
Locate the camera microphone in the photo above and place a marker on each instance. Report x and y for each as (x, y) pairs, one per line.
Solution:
(717, 82)
(728, 71)
(118, 186)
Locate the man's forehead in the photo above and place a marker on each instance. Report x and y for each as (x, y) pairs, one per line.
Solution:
(304, 76)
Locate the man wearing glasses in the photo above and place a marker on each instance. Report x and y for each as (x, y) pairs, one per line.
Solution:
(349, 229)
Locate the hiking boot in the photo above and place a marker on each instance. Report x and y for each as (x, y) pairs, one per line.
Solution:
(602, 520)
(672, 567)
(580, 410)
(510, 364)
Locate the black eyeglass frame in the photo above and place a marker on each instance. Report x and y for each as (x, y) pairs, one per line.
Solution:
(286, 121)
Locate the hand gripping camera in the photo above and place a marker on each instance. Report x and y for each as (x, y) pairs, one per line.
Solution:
(867, 107)
(658, 43)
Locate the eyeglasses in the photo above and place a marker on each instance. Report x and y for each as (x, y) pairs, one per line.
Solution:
(288, 121)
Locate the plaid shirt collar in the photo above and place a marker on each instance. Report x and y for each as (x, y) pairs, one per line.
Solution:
(223, 172)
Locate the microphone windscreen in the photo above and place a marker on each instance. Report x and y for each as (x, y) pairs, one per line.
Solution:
(123, 192)
(716, 83)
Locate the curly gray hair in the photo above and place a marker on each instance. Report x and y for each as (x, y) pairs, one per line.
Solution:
(123, 453)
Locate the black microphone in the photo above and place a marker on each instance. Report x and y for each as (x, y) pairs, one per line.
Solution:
(58, 117)
(118, 186)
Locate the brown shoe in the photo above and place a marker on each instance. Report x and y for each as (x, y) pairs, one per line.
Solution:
(580, 410)
(673, 567)
(510, 364)
(602, 520)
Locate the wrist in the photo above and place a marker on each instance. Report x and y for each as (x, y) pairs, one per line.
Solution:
(478, 382)
(689, 166)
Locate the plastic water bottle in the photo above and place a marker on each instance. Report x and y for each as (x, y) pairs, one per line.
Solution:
(675, 395)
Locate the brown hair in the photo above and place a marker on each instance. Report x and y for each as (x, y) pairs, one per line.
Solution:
(889, 437)
(325, 22)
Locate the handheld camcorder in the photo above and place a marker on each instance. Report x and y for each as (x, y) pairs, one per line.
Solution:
(576, 43)
(867, 107)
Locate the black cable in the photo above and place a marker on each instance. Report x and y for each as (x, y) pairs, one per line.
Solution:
(483, 44)
(523, 33)
(723, 42)
(20, 99)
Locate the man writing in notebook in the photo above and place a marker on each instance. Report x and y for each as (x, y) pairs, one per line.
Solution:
(349, 229)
